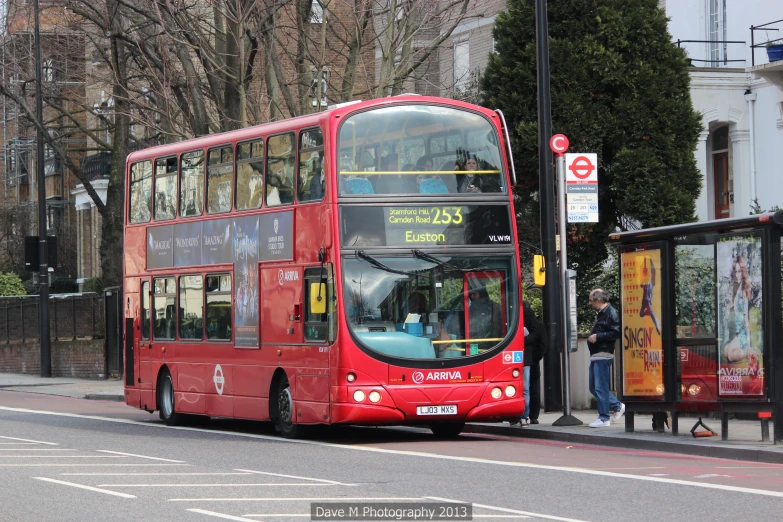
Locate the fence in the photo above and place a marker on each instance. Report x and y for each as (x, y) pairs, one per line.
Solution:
(71, 316)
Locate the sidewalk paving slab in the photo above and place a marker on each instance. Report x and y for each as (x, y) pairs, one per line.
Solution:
(105, 390)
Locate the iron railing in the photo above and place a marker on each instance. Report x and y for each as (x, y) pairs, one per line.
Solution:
(72, 316)
(725, 60)
(754, 45)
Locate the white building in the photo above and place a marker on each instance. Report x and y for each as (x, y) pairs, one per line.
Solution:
(740, 97)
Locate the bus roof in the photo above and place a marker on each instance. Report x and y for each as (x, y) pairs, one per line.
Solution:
(308, 120)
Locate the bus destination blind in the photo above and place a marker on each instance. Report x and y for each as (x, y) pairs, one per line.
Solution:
(417, 226)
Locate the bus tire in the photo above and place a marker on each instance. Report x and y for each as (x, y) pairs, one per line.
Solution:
(447, 430)
(166, 409)
(285, 412)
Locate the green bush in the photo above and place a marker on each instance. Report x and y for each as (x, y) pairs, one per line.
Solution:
(93, 284)
(11, 284)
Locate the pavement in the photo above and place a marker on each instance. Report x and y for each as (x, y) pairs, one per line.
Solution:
(744, 436)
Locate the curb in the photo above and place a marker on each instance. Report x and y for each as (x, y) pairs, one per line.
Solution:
(104, 397)
(746, 454)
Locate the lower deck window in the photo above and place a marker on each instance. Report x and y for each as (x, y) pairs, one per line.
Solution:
(218, 312)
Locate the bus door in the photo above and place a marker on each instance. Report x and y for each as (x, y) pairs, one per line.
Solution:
(281, 307)
(486, 320)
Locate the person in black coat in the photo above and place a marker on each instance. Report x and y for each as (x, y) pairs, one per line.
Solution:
(535, 348)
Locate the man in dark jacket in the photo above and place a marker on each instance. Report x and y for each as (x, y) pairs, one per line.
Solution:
(601, 341)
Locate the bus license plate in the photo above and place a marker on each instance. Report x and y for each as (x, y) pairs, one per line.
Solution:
(437, 410)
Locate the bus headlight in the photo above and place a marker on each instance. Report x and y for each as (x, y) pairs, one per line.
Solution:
(496, 393)
(693, 390)
(510, 391)
(350, 377)
(358, 396)
(515, 373)
(375, 396)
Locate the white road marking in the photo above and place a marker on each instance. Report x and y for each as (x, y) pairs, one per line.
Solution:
(140, 456)
(507, 510)
(292, 476)
(220, 515)
(147, 474)
(372, 449)
(90, 488)
(28, 440)
(36, 449)
(61, 457)
(208, 485)
(87, 465)
(289, 499)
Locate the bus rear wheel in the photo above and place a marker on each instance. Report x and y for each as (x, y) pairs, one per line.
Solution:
(166, 409)
(447, 429)
(285, 412)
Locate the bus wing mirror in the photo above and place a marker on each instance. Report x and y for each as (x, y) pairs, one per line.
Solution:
(539, 270)
(317, 298)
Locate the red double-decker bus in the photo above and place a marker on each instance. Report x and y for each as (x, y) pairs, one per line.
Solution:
(355, 266)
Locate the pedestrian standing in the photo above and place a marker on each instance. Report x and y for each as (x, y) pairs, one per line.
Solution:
(535, 346)
(601, 342)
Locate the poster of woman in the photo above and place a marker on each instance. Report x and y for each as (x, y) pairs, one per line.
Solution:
(740, 327)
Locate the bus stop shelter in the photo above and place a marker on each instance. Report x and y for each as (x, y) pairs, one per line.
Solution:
(700, 305)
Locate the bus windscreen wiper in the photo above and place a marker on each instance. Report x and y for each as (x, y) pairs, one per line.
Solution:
(361, 254)
(434, 260)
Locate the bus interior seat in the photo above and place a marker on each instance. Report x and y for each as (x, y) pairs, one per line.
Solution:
(399, 344)
(358, 186)
(433, 186)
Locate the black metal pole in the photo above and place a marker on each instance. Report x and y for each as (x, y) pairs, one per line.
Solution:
(553, 397)
(43, 271)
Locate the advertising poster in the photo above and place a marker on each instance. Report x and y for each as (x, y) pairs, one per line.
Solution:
(740, 328)
(641, 310)
(246, 281)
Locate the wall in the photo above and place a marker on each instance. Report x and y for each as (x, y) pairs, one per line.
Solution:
(83, 359)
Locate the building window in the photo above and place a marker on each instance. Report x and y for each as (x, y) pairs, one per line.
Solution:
(318, 88)
(316, 13)
(461, 65)
(716, 18)
(47, 70)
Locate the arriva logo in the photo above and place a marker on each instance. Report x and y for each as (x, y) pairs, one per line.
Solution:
(288, 275)
(419, 377)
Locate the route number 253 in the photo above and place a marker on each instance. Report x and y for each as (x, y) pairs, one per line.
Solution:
(447, 215)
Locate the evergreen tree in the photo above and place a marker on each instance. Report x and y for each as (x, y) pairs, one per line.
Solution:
(620, 88)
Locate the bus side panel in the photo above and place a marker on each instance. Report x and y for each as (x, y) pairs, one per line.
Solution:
(135, 250)
(190, 388)
(219, 396)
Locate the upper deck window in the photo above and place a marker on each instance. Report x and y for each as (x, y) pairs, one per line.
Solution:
(220, 173)
(280, 161)
(191, 184)
(312, 181)
(419, 149)
(141, 192)
(250, 174)
(165, 188)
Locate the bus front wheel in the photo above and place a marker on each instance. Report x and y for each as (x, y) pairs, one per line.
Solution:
(285, 412)
(166, 401)
(447, 429)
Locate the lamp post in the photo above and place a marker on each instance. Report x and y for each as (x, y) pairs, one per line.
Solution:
(43, 271)
(551, 292)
